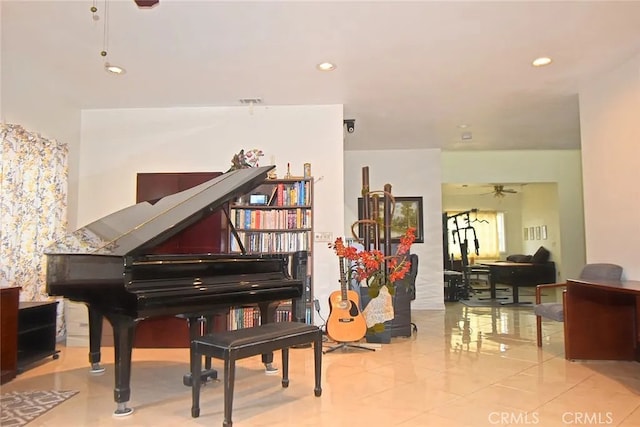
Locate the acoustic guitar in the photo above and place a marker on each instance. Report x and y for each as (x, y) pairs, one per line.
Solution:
(345, 322)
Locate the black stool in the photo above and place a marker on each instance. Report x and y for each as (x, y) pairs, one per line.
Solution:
(453, 286)
(238, 344)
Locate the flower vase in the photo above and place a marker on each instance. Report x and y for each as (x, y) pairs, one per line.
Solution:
(383, 337)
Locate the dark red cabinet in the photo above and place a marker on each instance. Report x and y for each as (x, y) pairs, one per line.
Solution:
(206, 236)
(9, 300)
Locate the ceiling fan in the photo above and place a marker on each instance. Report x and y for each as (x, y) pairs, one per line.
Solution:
(499, 191)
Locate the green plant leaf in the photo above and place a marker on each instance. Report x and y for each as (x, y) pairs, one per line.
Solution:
(378, 328)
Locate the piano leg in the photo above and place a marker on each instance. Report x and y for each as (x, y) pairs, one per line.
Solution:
(207, 329)
(95, 340)
(123, 334)
(268, 315)
(199, 326)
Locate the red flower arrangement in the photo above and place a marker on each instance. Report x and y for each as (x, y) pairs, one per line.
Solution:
(368, 266)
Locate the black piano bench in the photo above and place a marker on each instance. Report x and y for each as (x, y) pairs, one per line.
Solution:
(238, 344)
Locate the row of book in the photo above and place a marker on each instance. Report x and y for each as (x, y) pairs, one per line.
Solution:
(275, 219)
(271, 241)
(248, 317)
(291, 194)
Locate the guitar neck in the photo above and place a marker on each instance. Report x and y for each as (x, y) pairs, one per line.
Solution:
(343, 281)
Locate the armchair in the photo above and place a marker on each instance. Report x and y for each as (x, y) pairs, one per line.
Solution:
(555, 310)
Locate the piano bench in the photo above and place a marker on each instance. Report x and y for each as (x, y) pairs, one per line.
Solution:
(241, 343)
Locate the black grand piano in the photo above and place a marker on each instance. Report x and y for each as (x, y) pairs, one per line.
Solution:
(108, 266)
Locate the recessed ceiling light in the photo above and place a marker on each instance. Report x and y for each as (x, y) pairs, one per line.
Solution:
(326, 66)
(541, 62)
(114, 69)
(463, 126)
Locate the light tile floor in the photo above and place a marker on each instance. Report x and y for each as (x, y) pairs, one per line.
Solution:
(464, 367)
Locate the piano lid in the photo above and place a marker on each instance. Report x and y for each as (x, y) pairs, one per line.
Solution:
(140, 227)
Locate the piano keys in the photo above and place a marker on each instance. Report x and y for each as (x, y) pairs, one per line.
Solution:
(108, 265)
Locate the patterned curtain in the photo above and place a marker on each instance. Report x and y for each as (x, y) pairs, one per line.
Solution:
(33, 207)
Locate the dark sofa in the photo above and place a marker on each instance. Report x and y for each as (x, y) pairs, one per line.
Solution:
(541, 256)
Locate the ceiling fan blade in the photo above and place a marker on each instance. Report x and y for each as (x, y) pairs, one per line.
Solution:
(500, 191)
(146, 3)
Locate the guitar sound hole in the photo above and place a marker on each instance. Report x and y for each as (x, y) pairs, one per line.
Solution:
(353, 311)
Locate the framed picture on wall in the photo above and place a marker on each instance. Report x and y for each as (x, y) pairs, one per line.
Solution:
(407, 212)
(531, 233)
(526, 233)
(544, 232)
(538, 233)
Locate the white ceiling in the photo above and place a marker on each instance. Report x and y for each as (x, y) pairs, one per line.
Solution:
(408, 72)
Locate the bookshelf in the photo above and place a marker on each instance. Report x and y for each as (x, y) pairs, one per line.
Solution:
(277, 218)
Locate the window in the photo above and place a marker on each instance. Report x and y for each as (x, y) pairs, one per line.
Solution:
(485, 226)
(502, 245)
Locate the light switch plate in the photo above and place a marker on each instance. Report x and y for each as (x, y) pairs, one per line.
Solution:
(323, 236)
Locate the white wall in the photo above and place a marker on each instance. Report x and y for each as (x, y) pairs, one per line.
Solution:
(540, 166)
(117, 144)
(43, 108)
(540, 208)
(610, 128)
(1, 115)
(421, 172)
(410, 173)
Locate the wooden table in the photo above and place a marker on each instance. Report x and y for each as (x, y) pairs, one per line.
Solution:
(602, 320)
(518, 274)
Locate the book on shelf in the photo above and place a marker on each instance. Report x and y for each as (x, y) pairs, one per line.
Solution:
(272, 199)
(275, 219)
(248, 317)
(273, 241)
(295, 193)
(280, 200)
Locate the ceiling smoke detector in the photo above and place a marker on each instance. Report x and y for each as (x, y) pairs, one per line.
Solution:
(466, 136)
